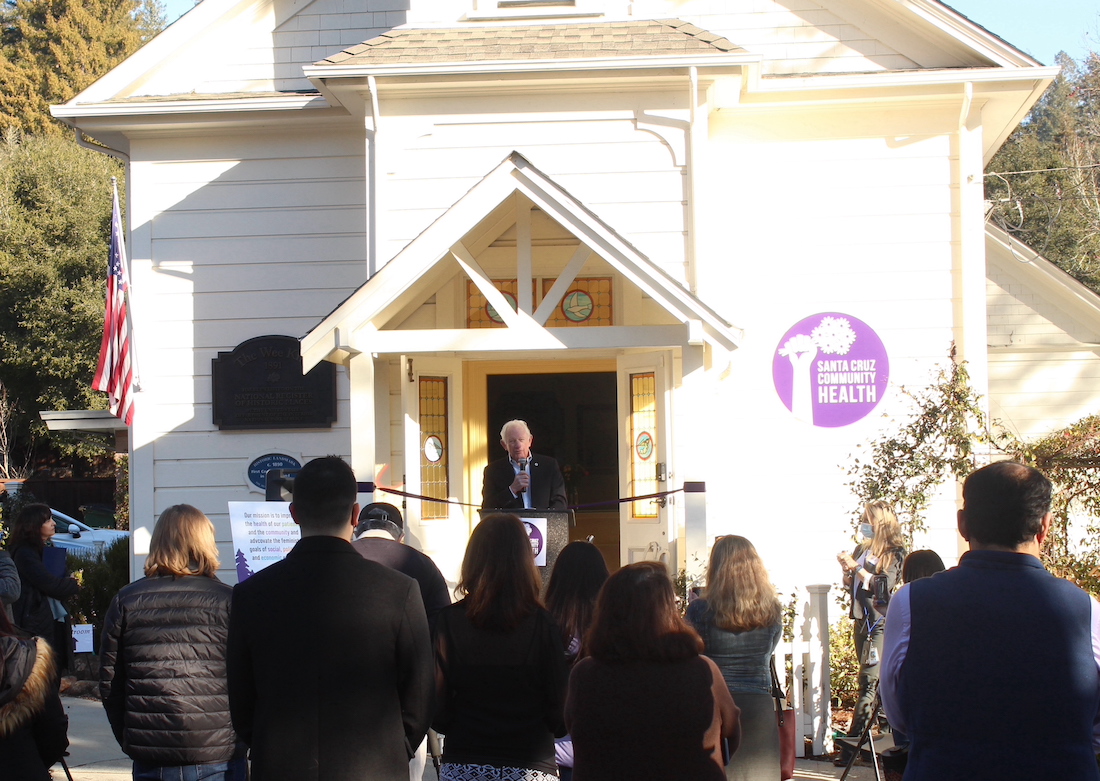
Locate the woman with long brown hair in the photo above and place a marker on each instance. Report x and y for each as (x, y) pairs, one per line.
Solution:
(740, 620)
(871, 573)
(500, 664)
(579, 573)
(39, 609)
(162, 674)
(644, 702)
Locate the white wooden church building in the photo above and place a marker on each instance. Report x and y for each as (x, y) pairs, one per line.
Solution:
(688, 240)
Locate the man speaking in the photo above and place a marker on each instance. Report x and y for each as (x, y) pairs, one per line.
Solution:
(522, 480)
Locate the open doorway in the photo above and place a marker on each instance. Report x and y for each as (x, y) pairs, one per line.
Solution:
(573, 419)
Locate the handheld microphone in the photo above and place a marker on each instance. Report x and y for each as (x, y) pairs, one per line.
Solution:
(523, 468)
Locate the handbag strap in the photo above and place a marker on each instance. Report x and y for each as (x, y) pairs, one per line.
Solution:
(777, 690)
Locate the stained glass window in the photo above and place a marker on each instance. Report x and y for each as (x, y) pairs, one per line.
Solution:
(433, 445)
(643, 442)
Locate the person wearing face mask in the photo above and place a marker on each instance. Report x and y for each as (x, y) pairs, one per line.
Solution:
(871, 573)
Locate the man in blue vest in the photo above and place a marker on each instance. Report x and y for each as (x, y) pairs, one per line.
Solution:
(991, 668)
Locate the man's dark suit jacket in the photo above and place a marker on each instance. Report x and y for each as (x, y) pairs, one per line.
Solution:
(409, 561)
(331, 674)
(547, 485)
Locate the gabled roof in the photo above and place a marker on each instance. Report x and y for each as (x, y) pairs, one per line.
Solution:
(666, 37)
(355, 326)
(1072, 297)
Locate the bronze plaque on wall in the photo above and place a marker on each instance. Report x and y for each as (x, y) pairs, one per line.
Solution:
(260, 385)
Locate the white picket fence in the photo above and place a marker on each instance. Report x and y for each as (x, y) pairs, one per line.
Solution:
(806, 661)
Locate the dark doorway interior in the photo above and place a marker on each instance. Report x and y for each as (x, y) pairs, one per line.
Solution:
(573, 419)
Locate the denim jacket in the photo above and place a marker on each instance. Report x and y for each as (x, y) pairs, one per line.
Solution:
(743, 657)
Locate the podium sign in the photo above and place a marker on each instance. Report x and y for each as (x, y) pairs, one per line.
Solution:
(549, 532)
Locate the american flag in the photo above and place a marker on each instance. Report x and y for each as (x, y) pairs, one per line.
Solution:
(115, 373)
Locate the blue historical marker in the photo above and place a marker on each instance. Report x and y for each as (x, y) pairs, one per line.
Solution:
(257, 470)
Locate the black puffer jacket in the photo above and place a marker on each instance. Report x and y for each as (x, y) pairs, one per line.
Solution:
(162, 671)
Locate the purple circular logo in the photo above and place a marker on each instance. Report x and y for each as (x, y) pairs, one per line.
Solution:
(830, 369)
(537, 542)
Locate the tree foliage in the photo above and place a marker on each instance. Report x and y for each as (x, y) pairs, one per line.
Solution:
(55, 212)
(947, 435)
(939, 440)
(53, 49)
(1070, 457)
(55, 208)
(1044, 183)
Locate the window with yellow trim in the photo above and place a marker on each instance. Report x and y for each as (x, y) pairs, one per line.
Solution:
(433, 446)
(643, 442)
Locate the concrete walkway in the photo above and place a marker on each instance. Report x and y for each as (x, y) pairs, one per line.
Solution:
(94, 754)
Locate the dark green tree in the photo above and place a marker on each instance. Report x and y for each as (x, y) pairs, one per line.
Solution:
(53, 49)
(1044, 183)
(55, 212)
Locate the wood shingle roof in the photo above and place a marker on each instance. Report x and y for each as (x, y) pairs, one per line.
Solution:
(651, 38)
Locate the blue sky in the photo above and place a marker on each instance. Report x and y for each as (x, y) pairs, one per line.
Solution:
(1041, 29)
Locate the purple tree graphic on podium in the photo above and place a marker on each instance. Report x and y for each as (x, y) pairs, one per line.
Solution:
(244, 572)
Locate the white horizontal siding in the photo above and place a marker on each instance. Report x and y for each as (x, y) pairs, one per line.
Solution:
(235, 236)
(626, 176)
(1019, 315)
(1036, 393)
(793, 36)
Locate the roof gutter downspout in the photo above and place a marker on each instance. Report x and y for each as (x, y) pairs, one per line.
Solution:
(690, 184)
(373, 179)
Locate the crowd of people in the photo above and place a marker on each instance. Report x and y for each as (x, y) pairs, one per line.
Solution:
(337, 662)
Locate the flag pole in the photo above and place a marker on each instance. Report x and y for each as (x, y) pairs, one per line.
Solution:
(128, 261)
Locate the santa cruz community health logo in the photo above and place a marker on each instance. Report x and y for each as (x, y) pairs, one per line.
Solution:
(830, 369)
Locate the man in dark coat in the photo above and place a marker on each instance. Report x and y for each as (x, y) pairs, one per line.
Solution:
(330, 665)
(991, 668)
(380, 536)
(522, 479)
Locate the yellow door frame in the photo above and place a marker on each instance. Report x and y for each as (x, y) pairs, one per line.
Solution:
(480, 444)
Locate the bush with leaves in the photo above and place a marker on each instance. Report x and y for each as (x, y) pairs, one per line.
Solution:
(947, 435)
(10, 507)
(122, 492)
(843, 664)
(105, 572)
(940, 439)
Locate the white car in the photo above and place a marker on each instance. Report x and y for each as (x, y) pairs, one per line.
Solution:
(79, 537)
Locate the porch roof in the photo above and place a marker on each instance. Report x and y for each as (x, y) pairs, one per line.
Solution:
(356, 325)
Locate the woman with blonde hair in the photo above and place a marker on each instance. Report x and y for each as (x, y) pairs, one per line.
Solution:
(500, 664)
(740, 620)
(872, 573)
(162, 673)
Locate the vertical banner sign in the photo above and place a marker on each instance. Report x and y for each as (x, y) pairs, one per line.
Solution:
(830, 370)
(536, 530)
(263, 533)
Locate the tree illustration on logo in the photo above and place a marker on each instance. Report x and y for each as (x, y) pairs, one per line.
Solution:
(243, 570)
(833, 336)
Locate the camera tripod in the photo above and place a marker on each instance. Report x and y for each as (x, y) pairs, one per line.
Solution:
(866, 737)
